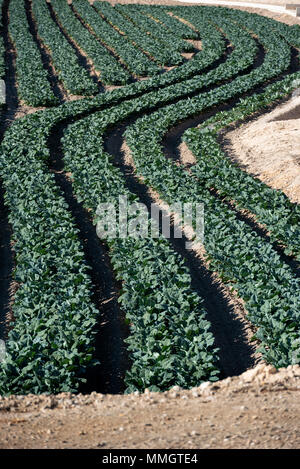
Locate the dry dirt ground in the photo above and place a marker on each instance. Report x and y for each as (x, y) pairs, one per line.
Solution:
(259, 409)
(269, 148)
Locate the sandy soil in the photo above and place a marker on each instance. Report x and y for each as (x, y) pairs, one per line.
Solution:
(259, 409)
(269, 148)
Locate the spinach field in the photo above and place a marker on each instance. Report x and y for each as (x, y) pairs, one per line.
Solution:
(124, 314)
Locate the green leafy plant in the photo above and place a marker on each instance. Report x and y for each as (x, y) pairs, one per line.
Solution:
(74, 77)
(33, 85)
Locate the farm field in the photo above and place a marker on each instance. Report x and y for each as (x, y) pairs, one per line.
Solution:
(132, 101)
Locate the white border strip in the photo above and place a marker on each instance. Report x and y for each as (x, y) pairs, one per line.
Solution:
(265, 6)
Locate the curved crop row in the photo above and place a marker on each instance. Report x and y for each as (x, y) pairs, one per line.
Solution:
(213, 48)
(33, 85)
(172, 23)
(137, 62)
(55, 336)
(51, 342)
(155, 29)
(52, 336)
(267, 285)
(170, 342)
(74, 77)
(214, 169)
(45, 122)
(262, 249)
(37, 375)
(111, 71)
(160, 53)
(290, 33)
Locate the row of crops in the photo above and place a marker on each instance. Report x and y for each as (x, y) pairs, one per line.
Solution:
(246, 61)
(2, 47)
(133, 59)
(33, 85)
(119, 49)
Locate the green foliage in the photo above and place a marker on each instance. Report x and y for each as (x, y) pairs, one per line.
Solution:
(160, 52)
(170, 342)
(2, 47)
(33, 85)
(137, 62)
(178, 28)
(74, 77)
(243, 259)
(271, 207)
(155, 29)
(111, 71)
(51, 343)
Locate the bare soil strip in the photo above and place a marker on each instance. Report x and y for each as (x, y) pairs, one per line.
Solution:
(275, 161)
(259, 409)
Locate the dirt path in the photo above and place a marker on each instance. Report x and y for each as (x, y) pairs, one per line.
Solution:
(259, 409)
(269, 148)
